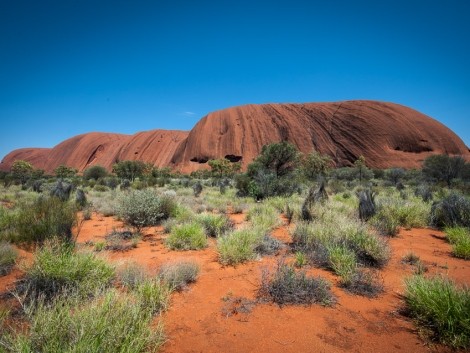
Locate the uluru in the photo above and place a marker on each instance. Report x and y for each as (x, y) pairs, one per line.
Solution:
(386, 134)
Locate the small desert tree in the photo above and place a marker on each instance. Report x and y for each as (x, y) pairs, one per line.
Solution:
(223, 167)
(443, 168)
(360, 165)
(22, 171)
(62, 171)
(271, 173)
(316, 164)
(129, 169)
(95, 172)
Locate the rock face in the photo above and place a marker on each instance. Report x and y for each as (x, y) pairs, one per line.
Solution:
(386, 134)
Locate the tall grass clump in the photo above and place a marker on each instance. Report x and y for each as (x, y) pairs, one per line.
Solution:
(264, 216)
(143, 208)
(394, 213)
(179, 274)
(440, 306)
(239, 245)
(342, 261)
(288, 286)
(58, 269)
(8, 255)
(114, 322)
(43, 219)
(153, 295)
(187, 236)
(459, 238)
(215, 224)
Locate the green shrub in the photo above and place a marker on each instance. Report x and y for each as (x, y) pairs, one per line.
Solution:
(300, 259)
(110, 323)
(286, 286)
(215, 225)
(143, 208)
(187, 236)
(439, 305)
(43, 219)
(238, 246)
(459, 237)
(179, 274)
(8, 255)
(58, 269)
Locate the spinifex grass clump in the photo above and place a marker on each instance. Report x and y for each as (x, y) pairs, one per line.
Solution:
(440, 306)
(58, 269)
(179, 274)
(239, 245)
(215, 224)
(43, 219)
(288, 286)
(365, 282)
(264, 216)
(113, 322)
(394, 213)
(459, 237)
(8, 255)
(187, 236)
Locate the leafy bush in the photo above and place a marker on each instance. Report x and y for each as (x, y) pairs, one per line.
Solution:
(439, 305)
(110, 323)
(188, 236)
(8, 255)
(453, 210)
(58, 269)
(271, 173)
(45, 218)
(142, 208)
(215, 225)
(179, 274)
(286, 286)
(459, 237)
(95, 172)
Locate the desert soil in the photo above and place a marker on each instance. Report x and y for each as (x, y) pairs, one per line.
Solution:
(219, 312)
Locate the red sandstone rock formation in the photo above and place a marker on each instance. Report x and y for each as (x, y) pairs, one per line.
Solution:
(387, 134)
(155, 146)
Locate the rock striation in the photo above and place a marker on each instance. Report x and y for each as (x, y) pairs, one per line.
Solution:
(386, 134)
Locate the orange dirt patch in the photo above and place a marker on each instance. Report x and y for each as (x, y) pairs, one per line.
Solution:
(217, 314)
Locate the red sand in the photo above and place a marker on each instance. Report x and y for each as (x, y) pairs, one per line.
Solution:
(204, 319)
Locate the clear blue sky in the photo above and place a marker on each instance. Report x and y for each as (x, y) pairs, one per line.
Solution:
(74, 66)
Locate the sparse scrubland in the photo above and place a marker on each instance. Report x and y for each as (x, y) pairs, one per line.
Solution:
(321, 233)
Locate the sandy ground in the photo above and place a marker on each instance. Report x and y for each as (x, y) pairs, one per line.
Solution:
(218, 312)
